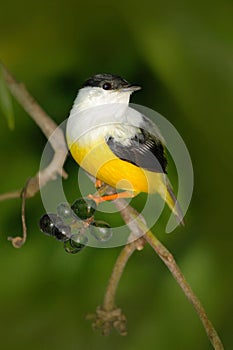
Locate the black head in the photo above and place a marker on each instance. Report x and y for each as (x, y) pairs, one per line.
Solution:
(110, 82)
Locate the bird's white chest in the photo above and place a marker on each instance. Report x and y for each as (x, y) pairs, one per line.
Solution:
(93, 125)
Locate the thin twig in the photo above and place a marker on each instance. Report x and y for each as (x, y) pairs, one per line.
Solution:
(18, 241)
(108, 315)
(125, 254)
(10, 195)
(23, 217)
(109, 298)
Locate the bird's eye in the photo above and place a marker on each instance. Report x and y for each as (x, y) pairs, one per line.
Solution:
(107, 86)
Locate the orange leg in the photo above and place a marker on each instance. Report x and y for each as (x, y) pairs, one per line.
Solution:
(98, 184)
(112, 197)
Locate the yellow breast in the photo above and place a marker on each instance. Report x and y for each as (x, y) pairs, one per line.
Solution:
(100, 162)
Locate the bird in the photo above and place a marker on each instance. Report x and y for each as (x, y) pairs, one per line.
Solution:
(116, 144)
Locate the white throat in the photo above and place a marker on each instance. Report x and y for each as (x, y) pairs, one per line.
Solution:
(90, 97)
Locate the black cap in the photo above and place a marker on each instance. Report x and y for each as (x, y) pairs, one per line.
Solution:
(109, 82)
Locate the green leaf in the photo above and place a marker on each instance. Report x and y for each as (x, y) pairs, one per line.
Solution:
(6, 102)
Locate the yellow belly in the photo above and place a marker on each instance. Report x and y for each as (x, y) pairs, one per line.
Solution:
(100, 162)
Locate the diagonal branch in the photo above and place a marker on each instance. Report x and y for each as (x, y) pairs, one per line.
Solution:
(34, 110)
(171, 264)
(136, 223)
(50, 129)
(53, 133)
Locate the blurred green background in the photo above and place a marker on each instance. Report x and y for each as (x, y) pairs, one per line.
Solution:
(182, 54)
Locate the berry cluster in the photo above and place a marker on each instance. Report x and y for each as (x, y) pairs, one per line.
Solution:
(71, 223)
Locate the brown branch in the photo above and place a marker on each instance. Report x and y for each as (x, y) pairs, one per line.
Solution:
(170, 262)
(135, 222)
(108, 315)
(109, 299)
(34, 110)
(127, 251)
(50, 129)
(10, 195)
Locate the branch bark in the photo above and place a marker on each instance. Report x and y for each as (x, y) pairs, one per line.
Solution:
(56, 138)
(49, 128)
(134, 221)
(171, 264)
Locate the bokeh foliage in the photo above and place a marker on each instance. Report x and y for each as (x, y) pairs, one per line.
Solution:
(182, 54)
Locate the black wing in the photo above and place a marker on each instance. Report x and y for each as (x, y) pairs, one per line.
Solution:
(145, 151)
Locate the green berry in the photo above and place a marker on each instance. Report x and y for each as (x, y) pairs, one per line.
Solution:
(84, 208)
(75, 244)
(64, 211)
(101, 230)
(79, 239)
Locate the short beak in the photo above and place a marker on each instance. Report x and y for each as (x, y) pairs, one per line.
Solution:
(131, 87)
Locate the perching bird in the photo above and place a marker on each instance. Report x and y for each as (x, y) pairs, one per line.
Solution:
(116, 144)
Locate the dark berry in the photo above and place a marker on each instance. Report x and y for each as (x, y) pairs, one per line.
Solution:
(48, 223)
(62, 232)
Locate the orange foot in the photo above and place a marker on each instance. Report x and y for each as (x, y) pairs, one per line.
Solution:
(111, 197)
